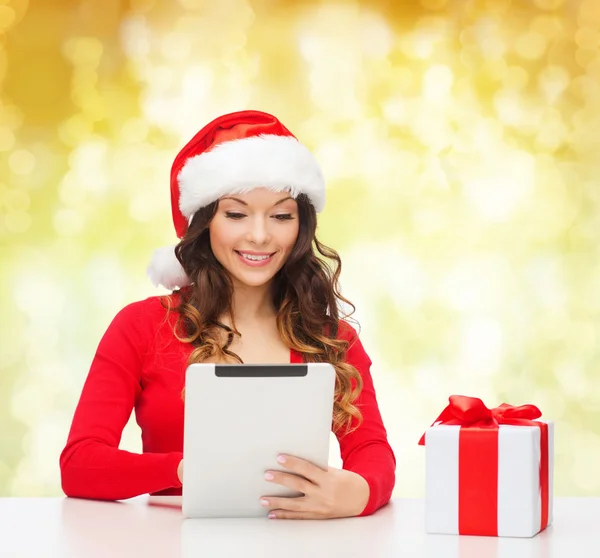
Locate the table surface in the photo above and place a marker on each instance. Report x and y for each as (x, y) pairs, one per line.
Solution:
(153, 526)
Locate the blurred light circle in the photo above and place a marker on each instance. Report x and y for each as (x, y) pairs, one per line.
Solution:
(7, 138)
(530, 45)
(7, 17)
(21, 161)
(68, 222)
(17, 221)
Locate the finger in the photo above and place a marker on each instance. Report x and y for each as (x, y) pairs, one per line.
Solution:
(302, 467)
(289, 480)
(284, 504)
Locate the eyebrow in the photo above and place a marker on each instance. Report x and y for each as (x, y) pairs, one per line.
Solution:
(244, 203)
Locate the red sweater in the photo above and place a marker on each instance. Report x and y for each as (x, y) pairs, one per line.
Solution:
(140, 364)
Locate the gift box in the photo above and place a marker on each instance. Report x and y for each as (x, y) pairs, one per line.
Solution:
(489, 472)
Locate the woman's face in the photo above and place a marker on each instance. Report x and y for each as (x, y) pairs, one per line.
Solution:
(253, 234)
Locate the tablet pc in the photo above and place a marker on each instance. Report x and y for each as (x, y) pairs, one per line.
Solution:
(238, 419)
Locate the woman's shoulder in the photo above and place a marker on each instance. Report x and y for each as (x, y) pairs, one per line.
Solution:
(356, 353)
(347, 331)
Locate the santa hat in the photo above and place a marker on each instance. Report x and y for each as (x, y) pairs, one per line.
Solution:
(233, 154)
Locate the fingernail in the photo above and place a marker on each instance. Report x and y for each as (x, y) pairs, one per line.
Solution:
(269, 476)
(264, 502)
(272, 516)
(281, 459)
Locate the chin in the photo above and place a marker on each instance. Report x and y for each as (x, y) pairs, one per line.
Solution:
(254, 281)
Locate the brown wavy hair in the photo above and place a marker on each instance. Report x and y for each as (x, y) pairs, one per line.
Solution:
(305, 294)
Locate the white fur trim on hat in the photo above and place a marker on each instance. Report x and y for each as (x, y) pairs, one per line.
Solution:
(279, 163)
(164, 269)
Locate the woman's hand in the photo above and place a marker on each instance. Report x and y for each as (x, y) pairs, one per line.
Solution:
(180, 471)
(327, 494)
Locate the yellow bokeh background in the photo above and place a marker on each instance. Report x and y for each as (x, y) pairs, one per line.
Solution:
(460, 144)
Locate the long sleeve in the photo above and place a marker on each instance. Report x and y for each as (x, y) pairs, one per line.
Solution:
(91, 464)
(366, 450)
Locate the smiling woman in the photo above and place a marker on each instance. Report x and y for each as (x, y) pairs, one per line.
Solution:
(250, 283)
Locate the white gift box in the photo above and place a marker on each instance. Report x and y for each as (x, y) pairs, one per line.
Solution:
(519, 490)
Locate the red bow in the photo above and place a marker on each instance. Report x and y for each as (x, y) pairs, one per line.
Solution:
(471, 411)
(478, 459)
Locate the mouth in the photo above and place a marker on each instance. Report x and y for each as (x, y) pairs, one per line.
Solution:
(255, 259)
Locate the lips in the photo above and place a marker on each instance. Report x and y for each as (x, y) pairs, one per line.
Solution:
(255, 259)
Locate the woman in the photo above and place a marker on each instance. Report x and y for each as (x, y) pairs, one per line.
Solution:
(247, 287)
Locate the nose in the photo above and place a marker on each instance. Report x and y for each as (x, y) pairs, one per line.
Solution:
(259, 233)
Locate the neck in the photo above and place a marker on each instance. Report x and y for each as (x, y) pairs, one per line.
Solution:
(251, 304)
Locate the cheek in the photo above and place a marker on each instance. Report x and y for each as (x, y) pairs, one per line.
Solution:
(220, 240)
(290, 238)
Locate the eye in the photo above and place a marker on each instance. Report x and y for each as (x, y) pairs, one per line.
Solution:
(234, 215)
(283, 217)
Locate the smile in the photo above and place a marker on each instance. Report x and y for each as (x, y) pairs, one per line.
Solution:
(254, 260)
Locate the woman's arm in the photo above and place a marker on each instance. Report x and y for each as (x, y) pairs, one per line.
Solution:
(91, 464)
(366, 450)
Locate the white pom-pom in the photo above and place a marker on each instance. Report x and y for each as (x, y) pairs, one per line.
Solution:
(164, 269)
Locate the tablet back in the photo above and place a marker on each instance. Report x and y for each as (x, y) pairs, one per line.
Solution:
(238, 419)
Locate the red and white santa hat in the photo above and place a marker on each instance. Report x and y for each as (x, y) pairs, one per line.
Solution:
(233, 154)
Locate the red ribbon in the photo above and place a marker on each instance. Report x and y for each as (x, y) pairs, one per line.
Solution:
(478, 459)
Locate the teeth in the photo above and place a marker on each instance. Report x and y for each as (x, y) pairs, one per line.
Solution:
(255, 258)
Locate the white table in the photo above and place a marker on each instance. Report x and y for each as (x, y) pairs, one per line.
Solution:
(148, 527)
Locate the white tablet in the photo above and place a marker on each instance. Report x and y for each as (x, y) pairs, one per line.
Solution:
(238, 419)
